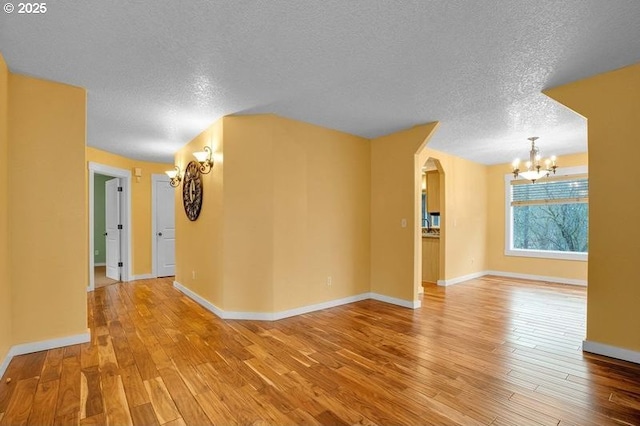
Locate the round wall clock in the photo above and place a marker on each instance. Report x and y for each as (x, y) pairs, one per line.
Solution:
(192, 191)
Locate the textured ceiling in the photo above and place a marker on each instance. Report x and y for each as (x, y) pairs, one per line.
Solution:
(159, 72)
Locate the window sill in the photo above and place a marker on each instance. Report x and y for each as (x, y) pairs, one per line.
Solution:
(548, 254)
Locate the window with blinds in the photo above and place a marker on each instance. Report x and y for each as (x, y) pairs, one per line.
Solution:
(549, 216)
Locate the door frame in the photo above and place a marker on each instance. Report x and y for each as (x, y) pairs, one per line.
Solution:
(155, 178)
(125, 212)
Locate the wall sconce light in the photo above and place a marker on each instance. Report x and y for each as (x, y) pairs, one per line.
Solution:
(174, 176)
(137, 172)
(205, 158)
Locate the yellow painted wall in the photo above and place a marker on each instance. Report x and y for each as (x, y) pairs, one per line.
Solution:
(47, 209)
(395, 191)
(199, 243)
(293, 210)
(570, 269)
(140, 203)
(248, 213)
(321, 199)
(296, 201)
(464, 188)
(610, 102)
(5, 290)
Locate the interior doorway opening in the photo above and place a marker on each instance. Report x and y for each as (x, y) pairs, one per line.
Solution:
(117, 241)
(106, 216)
(432, 223)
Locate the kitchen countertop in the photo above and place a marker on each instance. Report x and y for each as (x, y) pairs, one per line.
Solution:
(430, 232)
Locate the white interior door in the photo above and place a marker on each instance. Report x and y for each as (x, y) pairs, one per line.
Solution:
(165, 229)
(112, 220)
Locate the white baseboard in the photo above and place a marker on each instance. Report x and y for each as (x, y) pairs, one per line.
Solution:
(458, 280)
(611, 351)
(319, 306)
(142, 277)
(274, 316)
(415, 304)
(558, 280)
(200, 300)
(43, 345)
(99, 264)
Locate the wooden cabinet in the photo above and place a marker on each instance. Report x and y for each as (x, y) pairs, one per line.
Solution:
(433, 191)
(430, 259)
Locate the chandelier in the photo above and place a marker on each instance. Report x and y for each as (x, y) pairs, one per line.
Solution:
(533, 170)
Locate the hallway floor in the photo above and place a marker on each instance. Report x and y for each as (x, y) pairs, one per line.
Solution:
(100, 277)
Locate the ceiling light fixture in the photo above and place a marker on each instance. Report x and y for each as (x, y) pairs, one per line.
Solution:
(205, 160)
(174, 176)
(534, 170)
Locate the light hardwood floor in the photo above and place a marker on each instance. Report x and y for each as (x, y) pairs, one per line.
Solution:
(487, 352)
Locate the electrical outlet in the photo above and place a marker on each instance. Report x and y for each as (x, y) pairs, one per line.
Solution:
(403, 223)
(97, 252)
(193, 274)
(329, 281)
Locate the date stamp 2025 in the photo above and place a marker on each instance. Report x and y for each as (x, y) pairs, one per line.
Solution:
(26, 8)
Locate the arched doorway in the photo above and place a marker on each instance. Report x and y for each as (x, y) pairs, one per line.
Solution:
(431, 206)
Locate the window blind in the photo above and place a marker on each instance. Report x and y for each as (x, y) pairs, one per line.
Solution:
(556, 190)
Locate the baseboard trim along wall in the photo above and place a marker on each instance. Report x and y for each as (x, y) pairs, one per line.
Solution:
(558, 280)
(394, 301)
(43, 345)
(461, 279)
(274, 316)
(611, 351)
(142, 277)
